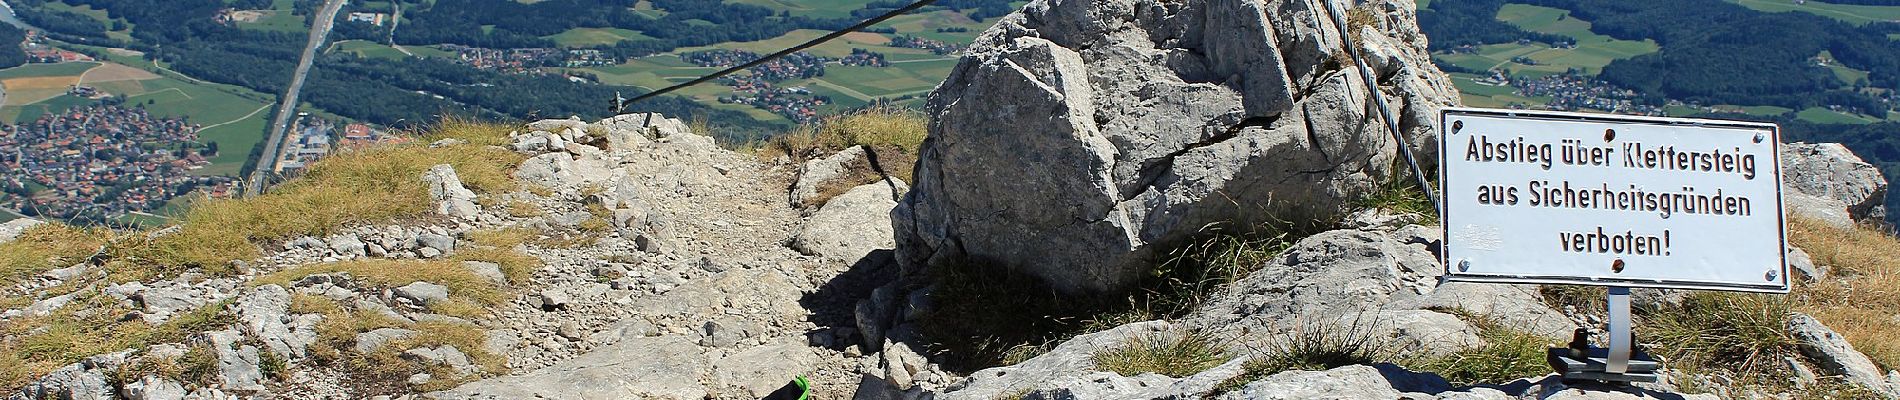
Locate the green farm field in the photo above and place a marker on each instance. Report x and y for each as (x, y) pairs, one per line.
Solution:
(1849, 13)
(367, 49)
(590, 37)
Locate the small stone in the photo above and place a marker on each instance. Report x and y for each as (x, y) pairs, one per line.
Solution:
(419, 379)
(552, 300)
(441, 243)
(571, 330)
(725, 333)
(486, 270)
(423, 293)
(347, 245)
(369, 342)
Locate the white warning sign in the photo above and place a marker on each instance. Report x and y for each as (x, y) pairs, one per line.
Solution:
(1555, 197)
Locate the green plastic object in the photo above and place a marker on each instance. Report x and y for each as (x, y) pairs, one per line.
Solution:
(797, 389)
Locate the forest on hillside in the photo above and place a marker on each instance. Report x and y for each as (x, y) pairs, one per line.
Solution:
(1715, 52)
(185, 35)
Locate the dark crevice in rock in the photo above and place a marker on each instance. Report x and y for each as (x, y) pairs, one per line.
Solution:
(1153, 168)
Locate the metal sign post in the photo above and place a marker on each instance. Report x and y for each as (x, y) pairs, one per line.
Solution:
(1547, 197)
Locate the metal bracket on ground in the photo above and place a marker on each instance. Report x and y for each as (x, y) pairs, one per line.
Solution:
(1621, 362)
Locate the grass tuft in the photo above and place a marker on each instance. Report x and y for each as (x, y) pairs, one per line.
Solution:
(1173, 354)
(90, 325)
(1032, 318)
(1400, 194)
(45, 247)
(1745, 333)
(1319, 346)
(1019, 318)
(1189, 274)
(1507, 354)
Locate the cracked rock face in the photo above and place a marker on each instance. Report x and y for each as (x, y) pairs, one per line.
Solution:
(1077, 137)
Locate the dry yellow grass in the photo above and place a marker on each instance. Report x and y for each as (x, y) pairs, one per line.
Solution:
(375, 185)
(893, 134)
(369, 186)
(46, 247)
(91, 324)
(384, 274)
(384, 371)
(499, 246)
(1862, 297)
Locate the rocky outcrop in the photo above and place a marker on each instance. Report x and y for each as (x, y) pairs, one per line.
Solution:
(1075, 137)
(1825, 181)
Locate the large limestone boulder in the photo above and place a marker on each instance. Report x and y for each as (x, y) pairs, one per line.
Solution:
(852, 225)
(1077, 137)
(1825, 181)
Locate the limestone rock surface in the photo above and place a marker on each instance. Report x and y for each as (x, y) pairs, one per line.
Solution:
(1076, 137)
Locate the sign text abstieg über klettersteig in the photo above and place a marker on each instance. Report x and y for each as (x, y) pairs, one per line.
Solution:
(1552, 197)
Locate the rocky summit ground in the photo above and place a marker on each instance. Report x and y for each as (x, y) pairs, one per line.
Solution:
(1053, 248)
(672, 268)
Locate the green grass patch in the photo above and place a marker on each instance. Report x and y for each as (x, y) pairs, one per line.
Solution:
(430, 52)
(1847, 75)
(1593, 51)
(279, 20)
(808, 8)
(230, 114)
(835, 48)
(30, 112)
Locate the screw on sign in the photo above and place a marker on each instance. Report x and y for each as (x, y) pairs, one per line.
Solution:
(1618, 201)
